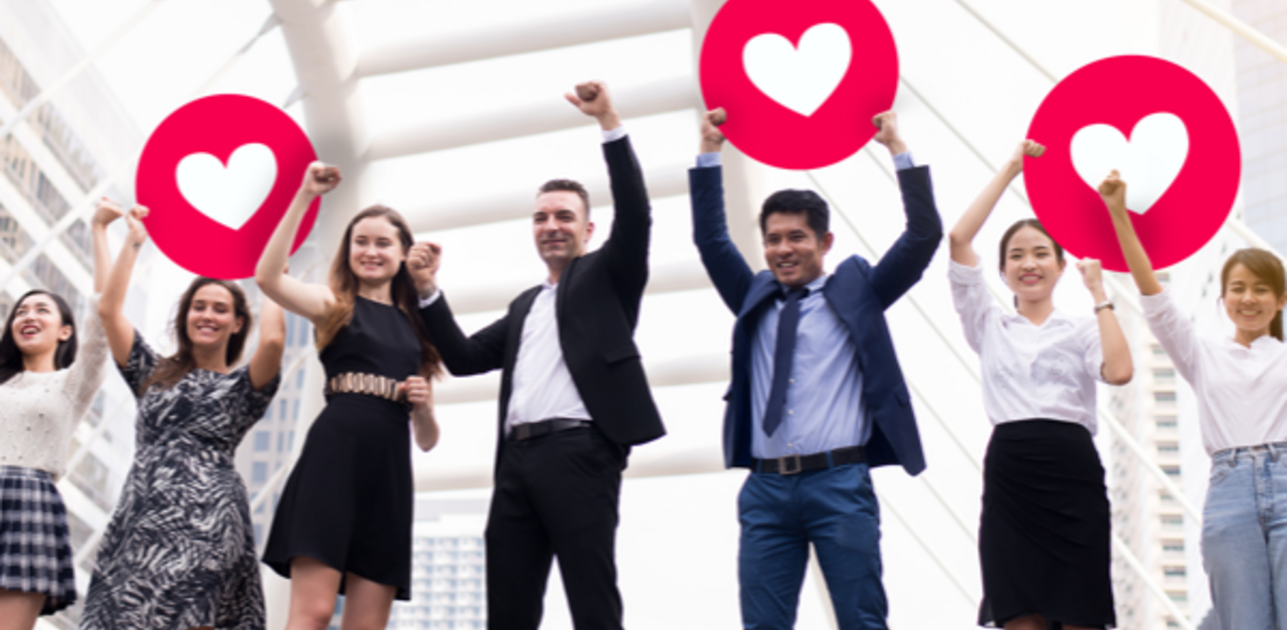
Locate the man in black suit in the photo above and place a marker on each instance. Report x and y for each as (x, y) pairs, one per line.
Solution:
(573, 394)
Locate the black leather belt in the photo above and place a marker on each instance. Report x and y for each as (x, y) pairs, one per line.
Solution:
(795, 464)
(529, 430)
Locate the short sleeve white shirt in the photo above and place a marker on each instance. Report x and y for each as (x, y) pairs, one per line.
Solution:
(1029, 372)
(1241, 391)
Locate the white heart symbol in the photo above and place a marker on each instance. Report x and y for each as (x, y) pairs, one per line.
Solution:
(800, 79)
(228, 195)
(1149, 162)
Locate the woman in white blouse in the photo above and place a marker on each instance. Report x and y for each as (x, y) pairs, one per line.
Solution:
(1241, 387)
(1044, 535)
(48, 378)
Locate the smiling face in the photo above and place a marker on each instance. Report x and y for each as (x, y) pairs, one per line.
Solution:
(375, 250)
(1031, 265)
(1250, 302)
(792, 249)
(212, 318)
(37, 325)
(561, 227)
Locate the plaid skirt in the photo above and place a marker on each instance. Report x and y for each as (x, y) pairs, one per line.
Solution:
(35, 545)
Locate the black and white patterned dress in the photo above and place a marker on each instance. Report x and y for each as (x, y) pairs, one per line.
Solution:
(179, 551)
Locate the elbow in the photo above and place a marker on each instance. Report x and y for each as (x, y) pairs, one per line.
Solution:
(1119, 375)
(956, 239)
(427, 443)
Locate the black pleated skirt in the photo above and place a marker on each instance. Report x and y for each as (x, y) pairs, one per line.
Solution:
(1044, 536)
(348, 502)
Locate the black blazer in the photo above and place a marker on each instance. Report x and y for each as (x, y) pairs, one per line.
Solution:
(597, 310)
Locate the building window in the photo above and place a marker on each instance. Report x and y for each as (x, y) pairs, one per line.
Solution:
(259, 472)
(1172, 571)
(1168, 448)
(1172, 520)
(262, 441)
(1173, 545)
(1171, 471)
(1158, 352)
(1164, 398)
(1164, 376)
(1166, 422)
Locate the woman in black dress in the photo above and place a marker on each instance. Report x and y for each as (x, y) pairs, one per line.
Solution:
(179, 552)
(343, 524)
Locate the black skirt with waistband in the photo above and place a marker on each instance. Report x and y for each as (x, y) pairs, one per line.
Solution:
(1044, 536)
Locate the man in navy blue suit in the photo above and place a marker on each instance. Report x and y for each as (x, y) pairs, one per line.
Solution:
(817, 397)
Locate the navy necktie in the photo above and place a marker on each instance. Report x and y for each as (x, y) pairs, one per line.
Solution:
(784, 352)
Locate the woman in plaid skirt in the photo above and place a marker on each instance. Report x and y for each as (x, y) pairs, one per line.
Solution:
(46, 392)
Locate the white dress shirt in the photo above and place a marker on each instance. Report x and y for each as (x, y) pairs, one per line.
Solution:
(1029, 372)
(542, 386)
(1242, 392)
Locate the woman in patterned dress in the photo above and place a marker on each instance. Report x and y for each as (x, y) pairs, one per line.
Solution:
(45, 391)
(179, 552)
(343, 524)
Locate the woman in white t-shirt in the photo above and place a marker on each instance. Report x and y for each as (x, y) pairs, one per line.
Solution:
(1241, 387)
(50, 370)
(1044, 537)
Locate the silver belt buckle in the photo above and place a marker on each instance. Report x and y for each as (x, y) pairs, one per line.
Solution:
(793, 469)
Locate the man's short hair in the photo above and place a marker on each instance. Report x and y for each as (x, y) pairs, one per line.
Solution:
(792, 201)
(568, 185)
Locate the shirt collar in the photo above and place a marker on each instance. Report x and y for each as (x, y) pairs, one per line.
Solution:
(813, 287)
(1055, 316)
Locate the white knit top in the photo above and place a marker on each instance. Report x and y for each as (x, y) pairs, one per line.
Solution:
(39, 411)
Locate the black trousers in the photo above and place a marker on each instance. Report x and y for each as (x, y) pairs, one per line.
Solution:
(555, 496)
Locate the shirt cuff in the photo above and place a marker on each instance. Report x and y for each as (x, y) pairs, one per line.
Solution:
(1155, 303)
(706, 160)
(903, 161)
(962, 274)
(425, 302)
(614, 134)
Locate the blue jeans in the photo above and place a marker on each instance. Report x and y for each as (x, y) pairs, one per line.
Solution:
(1244, 536)
(836, 510)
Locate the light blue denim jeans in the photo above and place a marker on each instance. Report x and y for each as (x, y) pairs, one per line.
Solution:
(1244, 536)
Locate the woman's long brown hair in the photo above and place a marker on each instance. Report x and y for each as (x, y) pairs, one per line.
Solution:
(172, 369)
(344, 284)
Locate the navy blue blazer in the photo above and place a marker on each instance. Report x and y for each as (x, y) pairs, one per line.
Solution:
(859, 293)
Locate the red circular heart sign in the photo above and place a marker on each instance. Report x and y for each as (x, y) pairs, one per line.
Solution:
(1164, 129)
(217, 175)
(801, 80)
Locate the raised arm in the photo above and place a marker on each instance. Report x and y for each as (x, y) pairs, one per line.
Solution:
(626, 249)
(267, 361)
(1117, 368)
(724, 263)
(905, 261)
(967, 227)
(1113, 192)
(481, 352)
(311, 301)
(120, 332)
(107, 212)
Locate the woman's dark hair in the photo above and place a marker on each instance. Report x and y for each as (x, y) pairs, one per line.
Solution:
(11, 357)
(1014, 229)
(1034, 224)
(344, 284)
(172, 369)
(1265, 266)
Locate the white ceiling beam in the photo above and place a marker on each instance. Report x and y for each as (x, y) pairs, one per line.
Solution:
(518, 202)
(553, 114)
(557, 30)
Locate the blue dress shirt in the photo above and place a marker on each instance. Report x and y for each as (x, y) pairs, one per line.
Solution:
(826, 383)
